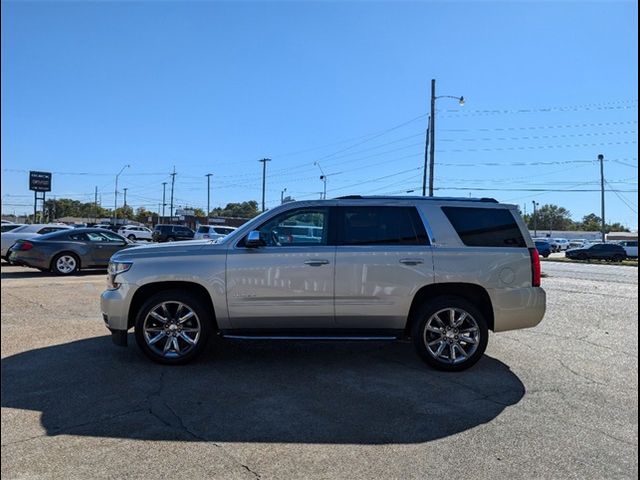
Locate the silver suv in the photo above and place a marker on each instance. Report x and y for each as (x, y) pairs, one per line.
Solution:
(441, 271)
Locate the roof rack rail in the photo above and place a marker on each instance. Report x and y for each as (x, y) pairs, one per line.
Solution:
(415, 197)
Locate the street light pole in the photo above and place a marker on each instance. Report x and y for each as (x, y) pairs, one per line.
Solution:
(282, 195)
(208, 175)
(432, 130)
(115, 201)
(535, 219)
(264, 178)
(323, 177)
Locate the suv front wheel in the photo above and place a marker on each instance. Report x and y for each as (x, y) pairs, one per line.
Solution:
(449, 333)
(172, 327)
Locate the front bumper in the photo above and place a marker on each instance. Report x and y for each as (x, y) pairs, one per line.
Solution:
(517, 308)
(114, 305)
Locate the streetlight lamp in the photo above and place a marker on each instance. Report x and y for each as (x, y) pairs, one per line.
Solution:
(431, 135)
(282, 195)
(323, 177)
(115, 201)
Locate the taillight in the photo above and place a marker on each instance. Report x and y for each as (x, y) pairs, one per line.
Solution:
(536, 272)
(25, 246)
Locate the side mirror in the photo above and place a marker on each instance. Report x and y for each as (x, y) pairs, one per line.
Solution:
(254, 240)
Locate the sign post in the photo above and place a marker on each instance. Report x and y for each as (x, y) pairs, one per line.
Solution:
(39, 182)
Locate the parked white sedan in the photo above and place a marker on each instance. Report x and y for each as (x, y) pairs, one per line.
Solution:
(133, 232)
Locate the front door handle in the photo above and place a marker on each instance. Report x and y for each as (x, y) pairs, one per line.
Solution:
(411, 261)
(316, 263)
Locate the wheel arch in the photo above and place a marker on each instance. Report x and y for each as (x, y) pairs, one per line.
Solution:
(145, 291)
(469, 291)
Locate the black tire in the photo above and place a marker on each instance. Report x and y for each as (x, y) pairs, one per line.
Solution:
(582, 256)
(131, 237)
(73, 267)
(420, 336)
(202, 320)
(170, 239)
(618, 258)
(546, 255)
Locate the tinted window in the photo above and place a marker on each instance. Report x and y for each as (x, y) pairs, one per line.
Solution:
(280, 231)
(381, 226)
(112, 237)
(222, 230)
(9, 227)
(44, 230)
(183, 230)
(485, 227)
(203, 229)
(78, 237)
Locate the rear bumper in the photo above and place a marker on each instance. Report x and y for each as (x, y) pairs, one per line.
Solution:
(518, 308)
(34, 261)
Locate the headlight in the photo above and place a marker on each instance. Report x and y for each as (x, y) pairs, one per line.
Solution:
(114, 269)
(118, 267)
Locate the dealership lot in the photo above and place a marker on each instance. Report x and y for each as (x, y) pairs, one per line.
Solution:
(557, 401)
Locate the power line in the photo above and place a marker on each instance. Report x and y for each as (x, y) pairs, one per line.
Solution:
(622, 199)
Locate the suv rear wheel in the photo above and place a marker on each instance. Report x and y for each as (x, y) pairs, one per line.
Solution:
(172, 327)
(449, 333)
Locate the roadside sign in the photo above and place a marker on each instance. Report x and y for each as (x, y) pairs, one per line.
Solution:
(39, 181)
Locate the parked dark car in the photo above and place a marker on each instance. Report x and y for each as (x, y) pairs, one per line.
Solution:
(171, 233)
(544, 248)
(598, 251)
(68, 251)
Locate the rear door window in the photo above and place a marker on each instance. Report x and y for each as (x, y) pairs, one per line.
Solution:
(485, 227)
(372, 225)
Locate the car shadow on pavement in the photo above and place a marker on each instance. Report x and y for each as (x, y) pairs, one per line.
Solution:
(38, 274)
(292, 392)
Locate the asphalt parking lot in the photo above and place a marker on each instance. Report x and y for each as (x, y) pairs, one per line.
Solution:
(557, 401)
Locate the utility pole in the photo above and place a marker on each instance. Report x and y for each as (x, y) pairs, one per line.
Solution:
(164, 203)
(601, 158)
(125, 196)
(95, 206)
(264, 178)
(115, 201)
(173, 180)
(535, 219)
(208, 175)
(282, 196)
(432, 132)
(426, 159)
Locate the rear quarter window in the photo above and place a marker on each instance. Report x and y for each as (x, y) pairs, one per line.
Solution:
(485, 227)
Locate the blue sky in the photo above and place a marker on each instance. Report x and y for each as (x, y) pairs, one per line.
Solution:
(211, 87)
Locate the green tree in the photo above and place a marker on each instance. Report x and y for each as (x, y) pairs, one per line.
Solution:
(590, 223)
(242, 210)
(551, 217)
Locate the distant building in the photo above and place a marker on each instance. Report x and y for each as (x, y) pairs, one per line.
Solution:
(630, 236)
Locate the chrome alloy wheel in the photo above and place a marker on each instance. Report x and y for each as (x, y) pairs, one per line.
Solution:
(66, 264)
(171, 329)
(451, 335)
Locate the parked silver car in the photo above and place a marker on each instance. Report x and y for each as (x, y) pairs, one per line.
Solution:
(212, 232)
(442, 271)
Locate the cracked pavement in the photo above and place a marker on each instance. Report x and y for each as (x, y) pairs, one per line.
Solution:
(556, 401)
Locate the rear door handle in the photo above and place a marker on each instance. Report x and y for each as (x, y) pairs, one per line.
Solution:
(411, 261)
(316, 263)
